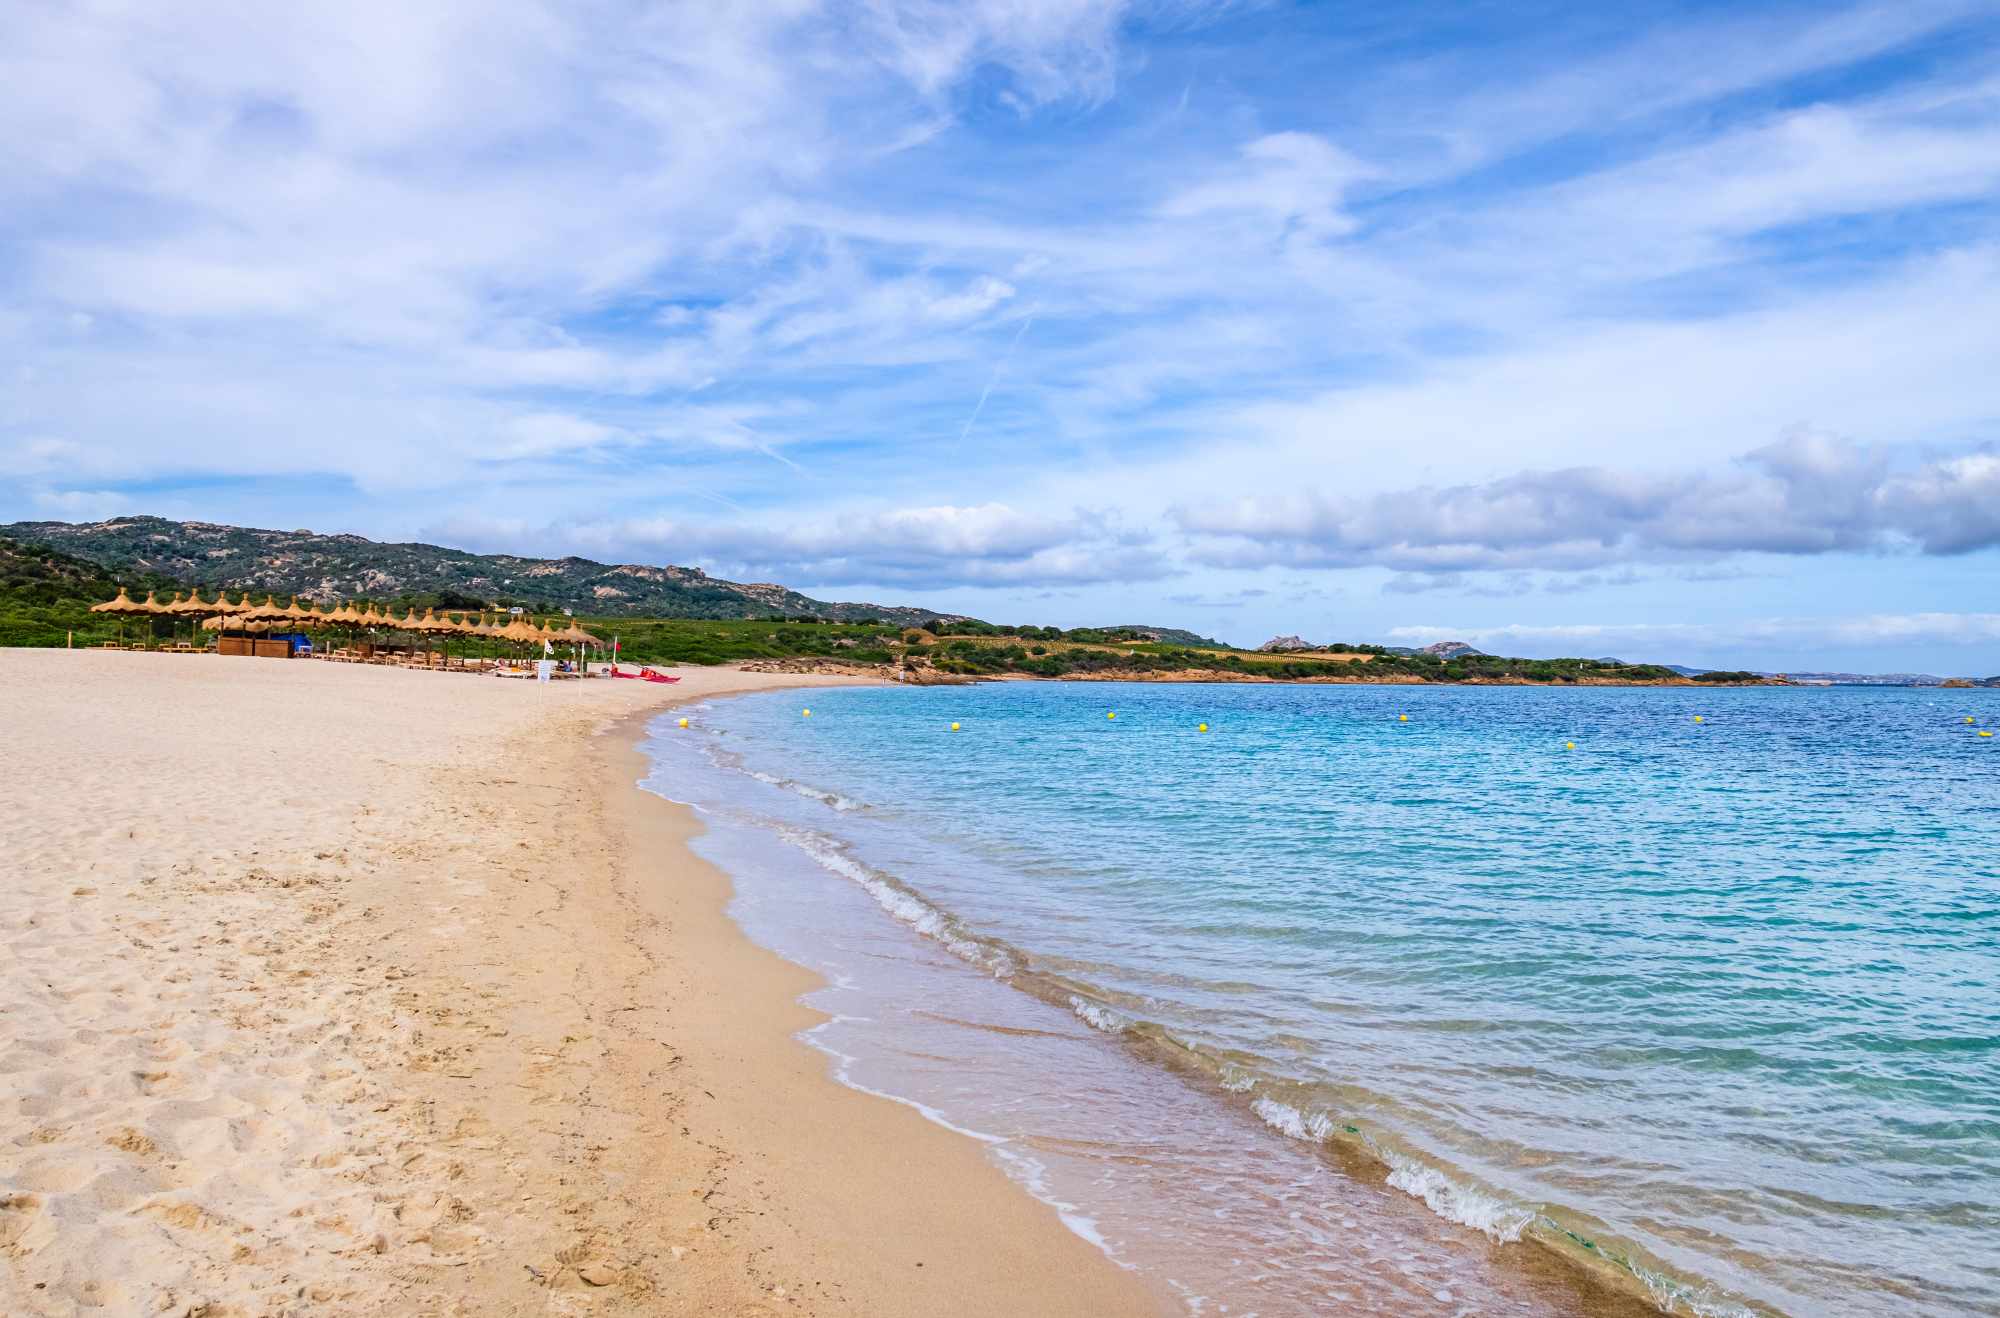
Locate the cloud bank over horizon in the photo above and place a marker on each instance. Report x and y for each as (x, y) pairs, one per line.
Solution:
(1260, 316)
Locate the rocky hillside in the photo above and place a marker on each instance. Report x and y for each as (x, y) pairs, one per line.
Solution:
(1166, 635)
(327, 567)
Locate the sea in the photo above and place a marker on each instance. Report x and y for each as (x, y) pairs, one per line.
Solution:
(1412, 999)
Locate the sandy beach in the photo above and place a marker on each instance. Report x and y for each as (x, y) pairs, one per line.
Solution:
(336, 989)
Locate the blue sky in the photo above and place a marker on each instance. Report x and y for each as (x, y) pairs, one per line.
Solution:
(1660, 330)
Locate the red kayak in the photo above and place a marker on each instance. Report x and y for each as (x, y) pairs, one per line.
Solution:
(645, 675)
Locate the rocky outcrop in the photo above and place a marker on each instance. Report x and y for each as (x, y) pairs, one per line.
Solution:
(1284, 645)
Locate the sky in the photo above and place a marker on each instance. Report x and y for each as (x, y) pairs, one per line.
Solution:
(1662, 331)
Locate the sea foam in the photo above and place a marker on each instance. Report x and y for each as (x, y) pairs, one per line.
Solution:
(897, 900)
(1098, 1017)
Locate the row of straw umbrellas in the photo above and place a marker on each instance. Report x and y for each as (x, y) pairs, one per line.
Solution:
(221, 614)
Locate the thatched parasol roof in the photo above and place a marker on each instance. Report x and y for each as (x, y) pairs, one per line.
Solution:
(430, 622)
(266, 611)
(576, 635)
(191, 602)
(123, 604)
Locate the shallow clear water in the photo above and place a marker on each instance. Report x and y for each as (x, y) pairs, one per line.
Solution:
(1323, 1006)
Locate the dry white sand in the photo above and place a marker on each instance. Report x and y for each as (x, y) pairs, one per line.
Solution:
(331, 989)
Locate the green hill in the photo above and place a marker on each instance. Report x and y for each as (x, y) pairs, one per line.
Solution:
(330, 567)
(46, 594)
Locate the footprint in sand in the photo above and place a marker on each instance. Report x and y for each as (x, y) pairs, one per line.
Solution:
(154, 1084)
(20, 1214)
(184, 1215)
(104, 1295)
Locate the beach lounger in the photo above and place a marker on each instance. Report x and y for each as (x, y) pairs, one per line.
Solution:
(644, 675)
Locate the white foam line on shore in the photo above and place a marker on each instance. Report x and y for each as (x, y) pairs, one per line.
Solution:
(1494, 1217)
(810, 793)
(842, 1072)
(906, 907)
(1098, 1017)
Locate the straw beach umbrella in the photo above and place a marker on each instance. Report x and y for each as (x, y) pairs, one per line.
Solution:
(248, 617)
(150, 607)
(190, 606)
(123, 607)
(520, 631)
(346, 617)
(478, 626)
(304, 617)
(247, 610)
(427, 626)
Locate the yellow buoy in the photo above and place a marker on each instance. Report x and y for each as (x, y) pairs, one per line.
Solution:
(1984, 733)
(805, 713)
(1970, 719)
(684, 722)
(1697, 718)
(1202, 727)
(1569, 745)
(1111, 713)
(954, 727)
(1402, 718)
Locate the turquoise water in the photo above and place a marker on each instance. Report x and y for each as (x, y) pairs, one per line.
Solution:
(1721, 999)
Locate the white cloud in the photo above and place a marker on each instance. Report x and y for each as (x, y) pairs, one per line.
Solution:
(1807, 494)
(1496, 308)
(922, 547)
(541, 434)
(1054, 48)
(36, 455)
(1288, 181)
(80, 505)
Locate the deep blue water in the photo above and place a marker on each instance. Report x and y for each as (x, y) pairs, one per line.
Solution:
(1720, 997)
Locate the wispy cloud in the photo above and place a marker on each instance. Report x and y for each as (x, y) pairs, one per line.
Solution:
(1397, 294)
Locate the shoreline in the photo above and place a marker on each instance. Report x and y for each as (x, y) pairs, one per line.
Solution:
(1555, 1262)
(329, 987)
(991, 1247)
